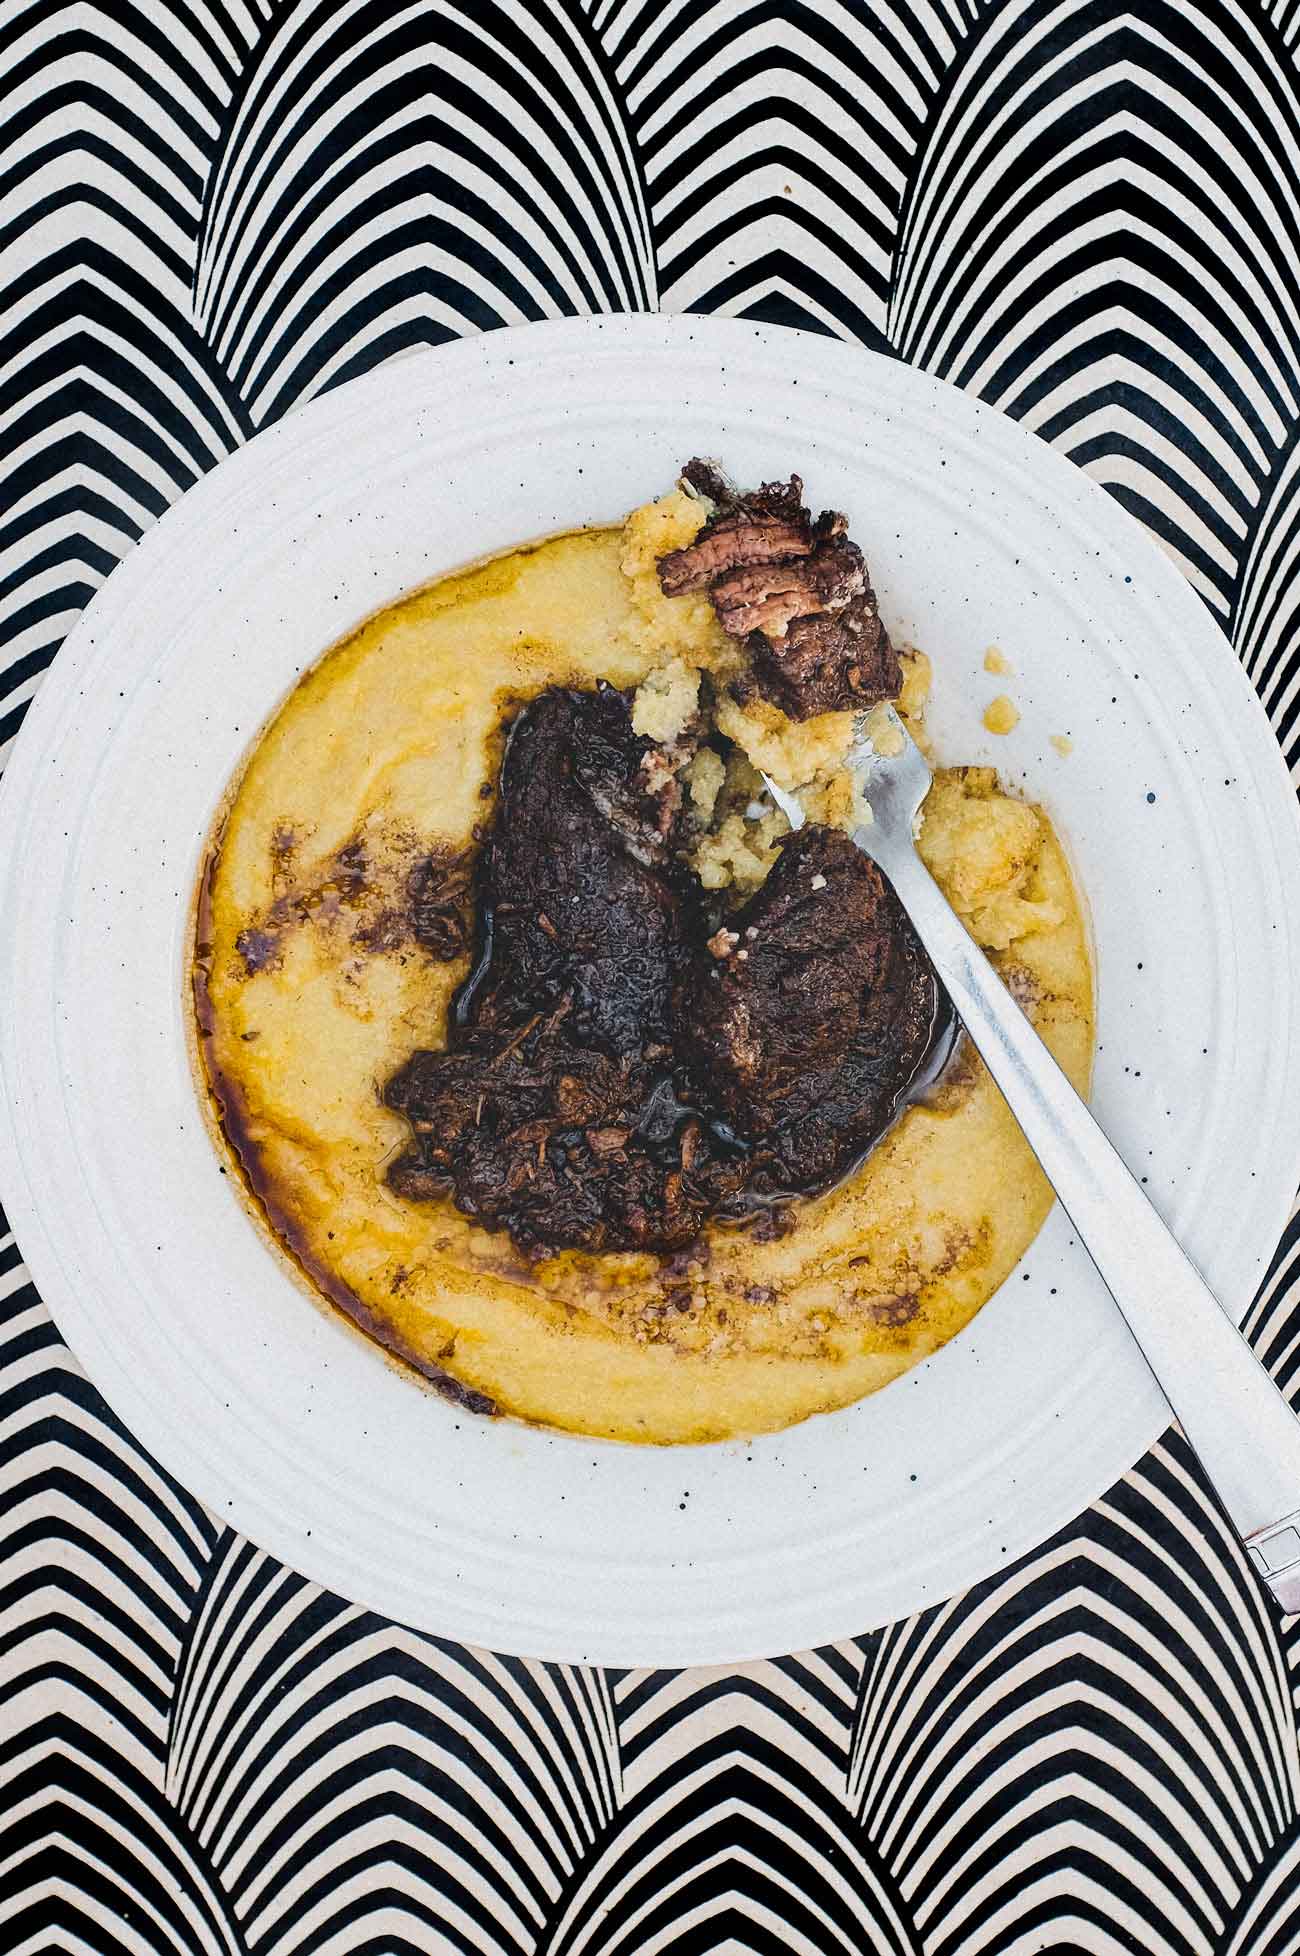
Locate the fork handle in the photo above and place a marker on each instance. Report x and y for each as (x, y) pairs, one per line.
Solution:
(1238, 1422)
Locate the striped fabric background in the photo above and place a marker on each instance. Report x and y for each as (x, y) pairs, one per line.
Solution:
(214, 209)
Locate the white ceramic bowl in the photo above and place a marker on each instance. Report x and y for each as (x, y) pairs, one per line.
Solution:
(1175, 804)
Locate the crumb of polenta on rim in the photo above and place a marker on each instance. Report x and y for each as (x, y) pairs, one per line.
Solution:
(1001, 715)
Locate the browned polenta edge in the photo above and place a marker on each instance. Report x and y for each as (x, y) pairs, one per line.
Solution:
(227, 1117)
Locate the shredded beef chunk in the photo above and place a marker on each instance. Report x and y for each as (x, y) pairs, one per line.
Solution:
(552, 1113)
(436, 890)
(796, 590)
(765, 527)
(824, 663)
(769, 527)
(624, 1063)
(559, 1145)
(620, 1067)
(817, 1018)
(710, 480)
(573, 913)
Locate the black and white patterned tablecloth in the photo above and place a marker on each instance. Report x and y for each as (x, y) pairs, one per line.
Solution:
(214, 209)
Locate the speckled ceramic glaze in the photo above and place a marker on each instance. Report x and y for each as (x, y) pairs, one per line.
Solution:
(1173, 800)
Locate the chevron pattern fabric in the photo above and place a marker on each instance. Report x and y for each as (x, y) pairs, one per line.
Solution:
(212, 210)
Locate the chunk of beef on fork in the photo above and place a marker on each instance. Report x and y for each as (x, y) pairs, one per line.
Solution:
(796, 591)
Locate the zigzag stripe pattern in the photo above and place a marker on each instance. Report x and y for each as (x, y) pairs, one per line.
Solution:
(1066, 252)
(101, 1557)
(1268, 1921)
(370, 220)
(1109, 1727)
(111, 403)
(214, 209)
(804, 218)
(1271, 1325)
(330, 1765)
(1266, 619)
(804, 1704)
(739, 1849)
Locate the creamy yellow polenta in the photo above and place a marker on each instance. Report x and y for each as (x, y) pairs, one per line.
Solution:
(387, 751)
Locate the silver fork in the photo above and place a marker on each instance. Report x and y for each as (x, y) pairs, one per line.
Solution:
(1246, 1435)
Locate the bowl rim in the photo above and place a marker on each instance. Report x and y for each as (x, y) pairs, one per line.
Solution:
(318, 424)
